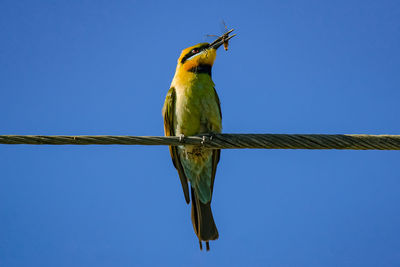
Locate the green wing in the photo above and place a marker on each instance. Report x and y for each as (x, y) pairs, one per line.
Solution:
(169, 129)
(217, 152)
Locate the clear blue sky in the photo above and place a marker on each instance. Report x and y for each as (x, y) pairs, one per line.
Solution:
(103, 67)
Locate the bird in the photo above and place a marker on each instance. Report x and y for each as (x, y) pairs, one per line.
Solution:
(192, 107)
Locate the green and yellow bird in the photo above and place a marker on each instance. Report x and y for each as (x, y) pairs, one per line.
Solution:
(192, 107)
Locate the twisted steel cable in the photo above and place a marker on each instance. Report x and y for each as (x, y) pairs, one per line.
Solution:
(223, 141)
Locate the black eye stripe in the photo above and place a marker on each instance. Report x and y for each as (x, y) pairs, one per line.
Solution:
(191, 53)
(188, 55)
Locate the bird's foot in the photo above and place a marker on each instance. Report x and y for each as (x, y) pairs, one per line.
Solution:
(181, 138)
(209, 136)
(203, 141)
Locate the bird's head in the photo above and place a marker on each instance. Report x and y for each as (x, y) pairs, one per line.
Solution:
(194, 56)
(201, 55)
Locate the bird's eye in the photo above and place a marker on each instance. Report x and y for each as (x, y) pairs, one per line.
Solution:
(195, 50)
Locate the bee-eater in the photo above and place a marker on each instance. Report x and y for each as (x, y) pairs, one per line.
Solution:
(192, 107)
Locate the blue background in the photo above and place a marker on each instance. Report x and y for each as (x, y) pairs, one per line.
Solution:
(103, 67)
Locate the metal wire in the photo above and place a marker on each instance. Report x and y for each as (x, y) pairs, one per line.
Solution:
(223, 141)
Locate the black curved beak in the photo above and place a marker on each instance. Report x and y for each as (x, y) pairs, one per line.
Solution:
(222, 39)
